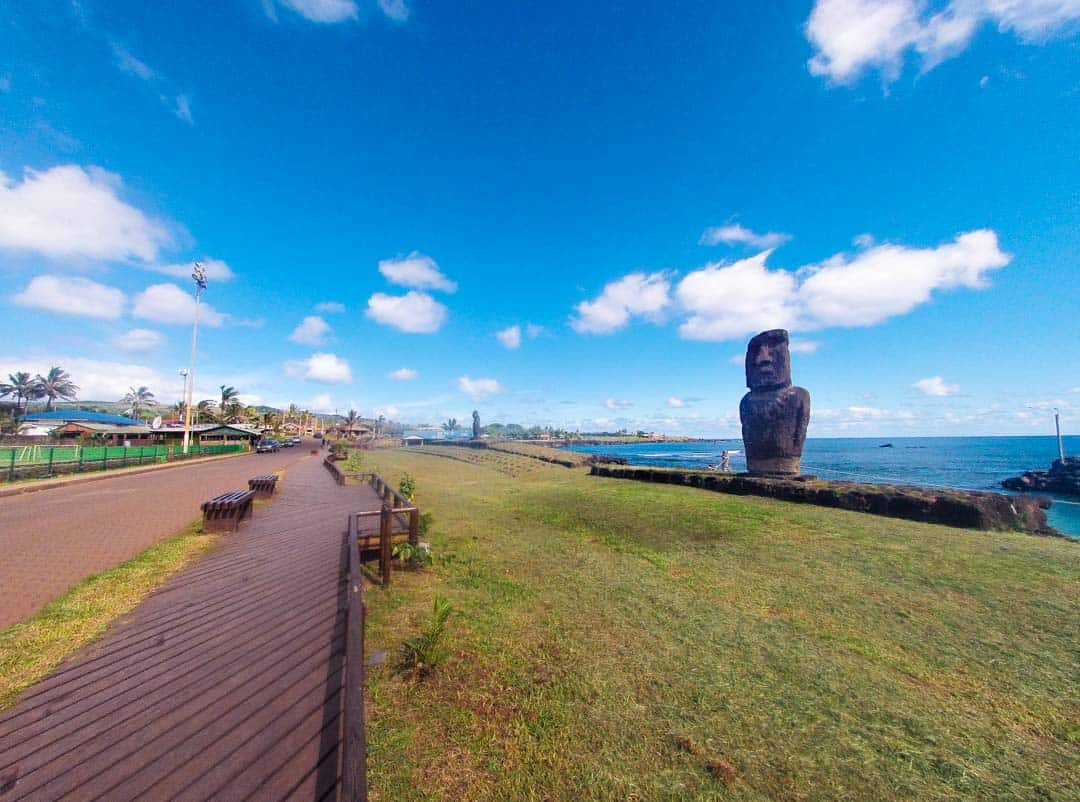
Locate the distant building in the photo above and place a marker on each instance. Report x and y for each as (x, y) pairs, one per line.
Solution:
(412, 440)
(73, 424)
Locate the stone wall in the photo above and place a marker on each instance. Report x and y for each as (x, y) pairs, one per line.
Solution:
(961, 508)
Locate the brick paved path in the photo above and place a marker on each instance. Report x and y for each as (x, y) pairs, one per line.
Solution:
(52, 539)
(224, 684)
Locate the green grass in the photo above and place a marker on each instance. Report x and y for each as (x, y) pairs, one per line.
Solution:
(31, 649)
(619, 640)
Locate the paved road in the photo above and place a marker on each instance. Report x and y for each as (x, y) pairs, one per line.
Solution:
(52, 539)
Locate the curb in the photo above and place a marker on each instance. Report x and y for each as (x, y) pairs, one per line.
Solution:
(52, 484)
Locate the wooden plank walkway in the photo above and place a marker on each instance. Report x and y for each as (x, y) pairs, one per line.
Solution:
(224, 684)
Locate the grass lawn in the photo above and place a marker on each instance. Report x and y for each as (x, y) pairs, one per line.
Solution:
(621, 640)
(31, 649)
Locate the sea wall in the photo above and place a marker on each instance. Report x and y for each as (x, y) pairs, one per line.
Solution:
(961, 508)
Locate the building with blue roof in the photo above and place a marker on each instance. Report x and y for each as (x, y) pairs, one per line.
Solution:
(61, 417)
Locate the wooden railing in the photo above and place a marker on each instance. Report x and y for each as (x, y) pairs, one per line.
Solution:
(354, 759)
(395, 508)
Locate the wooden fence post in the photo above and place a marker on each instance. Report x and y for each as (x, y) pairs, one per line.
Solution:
(386, 521)
(414, 526)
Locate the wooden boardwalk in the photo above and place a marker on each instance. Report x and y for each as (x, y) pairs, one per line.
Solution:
(225, 684)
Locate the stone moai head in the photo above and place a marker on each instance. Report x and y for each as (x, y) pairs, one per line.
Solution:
(768, 362)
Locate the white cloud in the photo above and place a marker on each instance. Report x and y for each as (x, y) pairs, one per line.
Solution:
(633, 294)
(613, 403)
(323, 402)
(414, 312)
(323, 10)
(68, 211)
(417, 271)
(330, 307)
(729, 301)
(510, 337)
(738, 360)
(675, 403)
(935, 385)
(854, 36)
(803, 346)
(478, 388)
(532, 331)
(71, 295)
(403, 375)
(183, 109)
(167, 303)
(736, 234)
(216, 269)
(313, 330)
(389, 411)
(397, 10)
(321, 367)
(889, 280)
(129, 64)
(138, 340)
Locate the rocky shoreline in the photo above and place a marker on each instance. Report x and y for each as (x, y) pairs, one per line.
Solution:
(1063, 477)
(967, 509)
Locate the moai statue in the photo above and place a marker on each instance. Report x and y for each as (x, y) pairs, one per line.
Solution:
(475, 425)
(774, 414)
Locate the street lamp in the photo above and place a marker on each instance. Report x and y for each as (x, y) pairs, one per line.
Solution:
(199, 277)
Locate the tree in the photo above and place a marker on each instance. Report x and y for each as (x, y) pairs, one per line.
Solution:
(204, 409)
(20, 385)
(56, 384)
(450, 426)
(350, 421)
(228, 398)
(137, 399)
(178, 410)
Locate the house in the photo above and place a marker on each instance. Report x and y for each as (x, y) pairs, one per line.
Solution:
(412, 440)
(72, 424)
(106, 433)
(211, 434)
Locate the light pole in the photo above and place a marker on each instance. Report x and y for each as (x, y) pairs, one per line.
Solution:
(199, 276)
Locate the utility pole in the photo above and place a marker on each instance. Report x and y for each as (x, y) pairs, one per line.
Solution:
(199, 276)
(1061, 446)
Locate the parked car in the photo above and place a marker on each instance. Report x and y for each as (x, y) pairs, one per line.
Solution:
(266, 444)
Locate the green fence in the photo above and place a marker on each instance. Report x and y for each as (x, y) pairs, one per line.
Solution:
(35, 462)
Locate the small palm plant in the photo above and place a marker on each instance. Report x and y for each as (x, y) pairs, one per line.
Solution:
(407, 486)
(427, 650)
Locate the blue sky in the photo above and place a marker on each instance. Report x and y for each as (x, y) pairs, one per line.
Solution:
(625, 193)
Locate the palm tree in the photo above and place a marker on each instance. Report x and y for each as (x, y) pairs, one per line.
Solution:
(137, 399)
(20, 385)
(56, 384)
(228, 398)
(204, 409)
(178, 410)
(450, 426)
(350, 421)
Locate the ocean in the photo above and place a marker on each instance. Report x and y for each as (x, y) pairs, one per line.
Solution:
(967, 463)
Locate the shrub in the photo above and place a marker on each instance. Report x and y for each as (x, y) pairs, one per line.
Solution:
(427, 650)
(413, 556)
(407, 486)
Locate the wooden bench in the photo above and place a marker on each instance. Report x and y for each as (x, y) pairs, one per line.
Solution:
(225, 512)
(263, 485)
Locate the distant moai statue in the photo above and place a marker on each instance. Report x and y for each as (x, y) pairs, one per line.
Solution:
(475, 425)
(774, 414)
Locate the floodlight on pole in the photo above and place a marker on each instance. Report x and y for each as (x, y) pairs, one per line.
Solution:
(198, 275)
